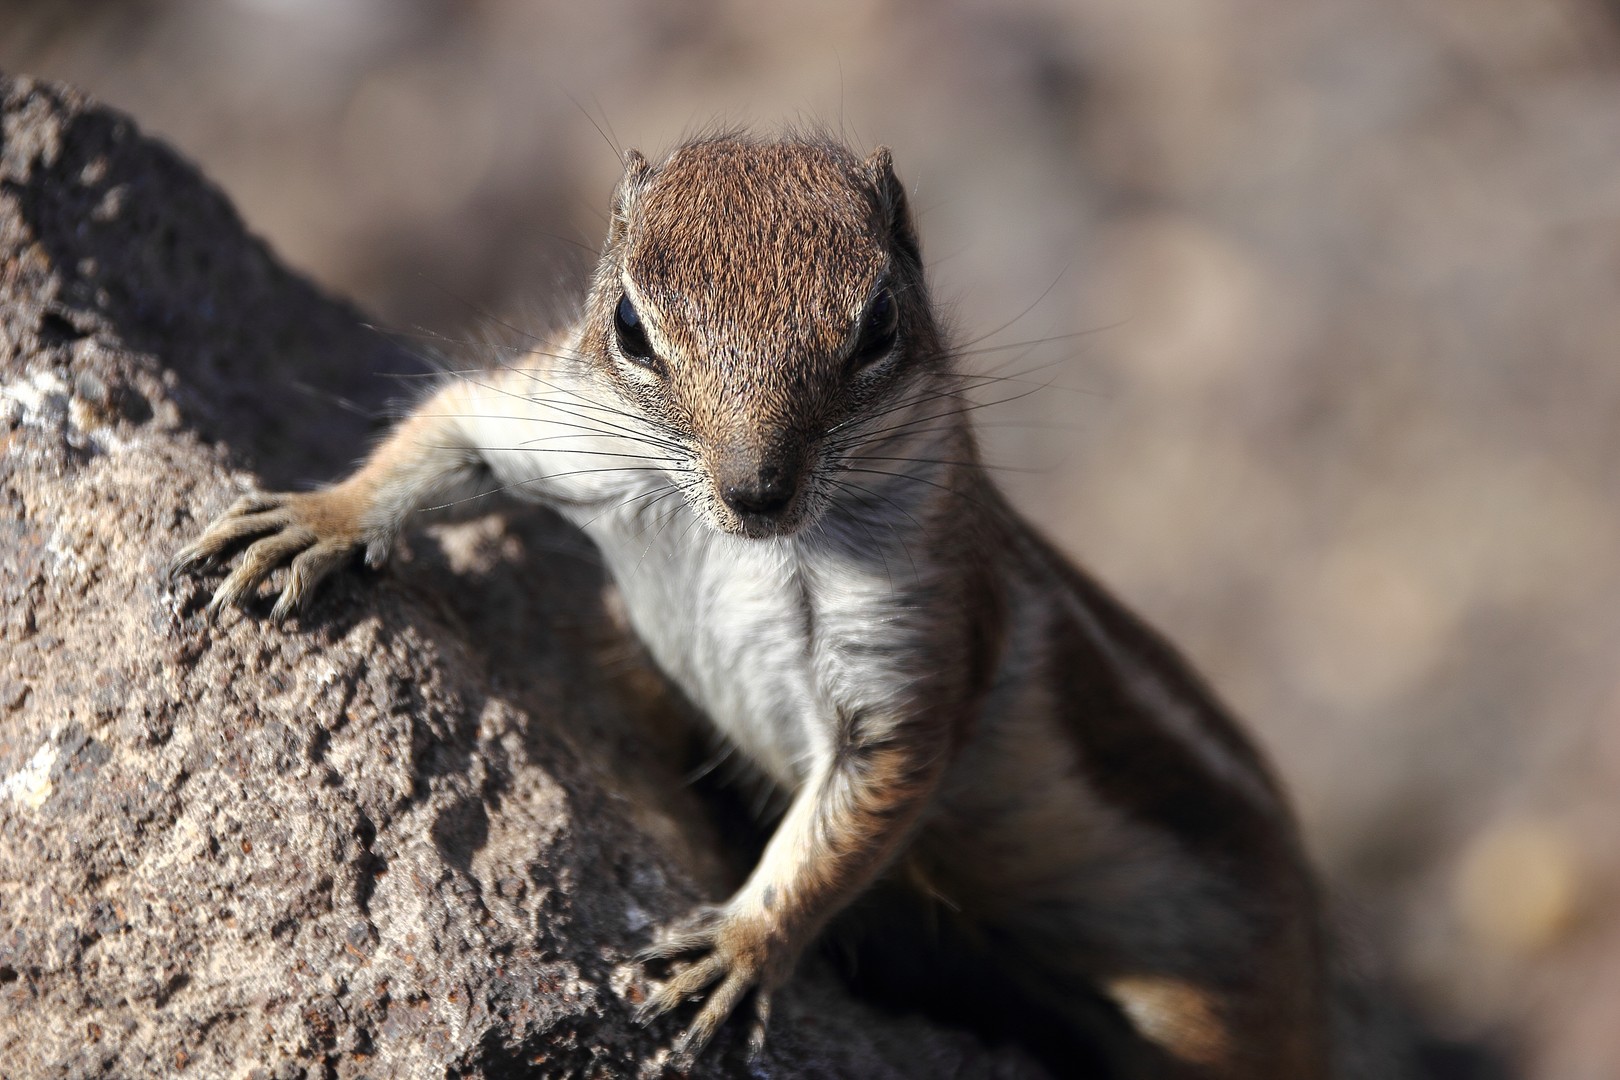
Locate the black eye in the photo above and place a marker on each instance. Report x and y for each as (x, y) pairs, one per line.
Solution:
(879, 328)
(632, 335)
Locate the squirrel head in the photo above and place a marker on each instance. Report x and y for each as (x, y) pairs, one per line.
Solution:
(754, 299)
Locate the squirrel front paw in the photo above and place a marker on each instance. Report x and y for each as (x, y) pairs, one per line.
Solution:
(717, 956)
(312, 532)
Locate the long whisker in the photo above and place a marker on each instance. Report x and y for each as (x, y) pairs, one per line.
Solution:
(905, 547)
(981, 380)
(588, 428)
(481, 313)
(419, 333)
(346, 404)
(589, 403)
(686, 536)
(626, 503)
(582, 402)
(960, 384)
(1033, 304)
(552, 450)
(918, 480)
(1030, 342)
(903, 403)
(943, 461)
(888, 571)
(966, 408)
(613, 143)
(588, 432)
(643, 556)
(714, 762)
(533, 480)
(566, 411)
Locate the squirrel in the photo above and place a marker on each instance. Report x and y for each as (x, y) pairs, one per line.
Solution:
(758, 420)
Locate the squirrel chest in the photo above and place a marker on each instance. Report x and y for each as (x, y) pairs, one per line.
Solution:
(769, 639)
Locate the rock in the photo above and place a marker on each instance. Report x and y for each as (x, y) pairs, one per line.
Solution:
(416, 833)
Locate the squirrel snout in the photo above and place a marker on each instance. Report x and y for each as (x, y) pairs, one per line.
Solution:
(764, 494)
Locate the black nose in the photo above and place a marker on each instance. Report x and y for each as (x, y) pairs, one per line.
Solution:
(762, 495)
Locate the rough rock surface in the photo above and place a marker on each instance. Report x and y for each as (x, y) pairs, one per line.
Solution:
(416, 833)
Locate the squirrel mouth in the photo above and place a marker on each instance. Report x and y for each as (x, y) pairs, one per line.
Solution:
(757, 526)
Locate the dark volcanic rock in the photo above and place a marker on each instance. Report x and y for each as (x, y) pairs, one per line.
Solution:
(416, 834)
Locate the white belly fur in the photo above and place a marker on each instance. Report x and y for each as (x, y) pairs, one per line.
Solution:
(725, 618)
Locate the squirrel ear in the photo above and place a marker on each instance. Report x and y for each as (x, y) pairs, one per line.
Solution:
(891, 195)
(634, 179)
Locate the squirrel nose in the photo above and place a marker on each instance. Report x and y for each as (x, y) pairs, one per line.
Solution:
(766, 494)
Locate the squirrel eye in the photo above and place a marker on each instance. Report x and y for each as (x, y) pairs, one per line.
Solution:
(880, 327)
(632, 335)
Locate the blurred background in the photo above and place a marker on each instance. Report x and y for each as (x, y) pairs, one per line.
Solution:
(1340, 411)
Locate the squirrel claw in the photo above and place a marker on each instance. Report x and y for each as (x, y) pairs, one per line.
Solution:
(735, 963)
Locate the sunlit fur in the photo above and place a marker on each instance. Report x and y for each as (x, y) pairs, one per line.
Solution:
(936, 689)
(753, 348)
